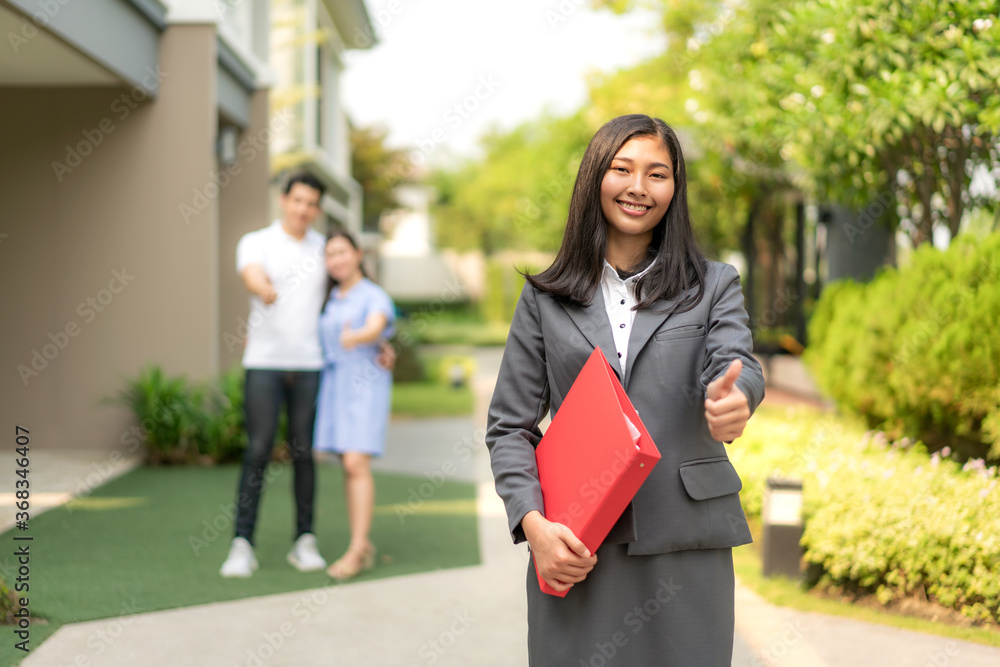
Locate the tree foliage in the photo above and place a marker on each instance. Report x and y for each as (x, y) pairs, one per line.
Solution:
(853, 98)
(517, 195)
(376, 167)
(846, 100)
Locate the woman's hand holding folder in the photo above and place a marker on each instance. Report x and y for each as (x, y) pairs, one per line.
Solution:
(560, 557)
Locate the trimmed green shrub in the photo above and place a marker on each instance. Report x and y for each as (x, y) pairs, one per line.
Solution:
(916, 352)
(170, 412)
(409, 367)
(184, 422)
(224, 439)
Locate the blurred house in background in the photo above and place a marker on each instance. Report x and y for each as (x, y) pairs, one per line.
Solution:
(410, 267)
(309, 40)
(135, 140)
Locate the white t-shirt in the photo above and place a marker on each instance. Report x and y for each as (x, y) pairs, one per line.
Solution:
(285, 334)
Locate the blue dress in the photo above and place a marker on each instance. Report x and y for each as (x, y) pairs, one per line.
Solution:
(352, 410)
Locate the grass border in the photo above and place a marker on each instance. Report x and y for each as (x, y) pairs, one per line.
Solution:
(790, 593)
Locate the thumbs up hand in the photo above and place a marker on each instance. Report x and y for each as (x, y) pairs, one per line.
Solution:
(348, 339)
(726, 407)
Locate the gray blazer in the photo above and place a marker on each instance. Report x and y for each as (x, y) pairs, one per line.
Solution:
(691, 498)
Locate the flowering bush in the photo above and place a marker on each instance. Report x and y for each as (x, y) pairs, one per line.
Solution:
(884, 518)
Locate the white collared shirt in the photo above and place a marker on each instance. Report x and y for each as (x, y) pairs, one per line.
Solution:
(619, 299)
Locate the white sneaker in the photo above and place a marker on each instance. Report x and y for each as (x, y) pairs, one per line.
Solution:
(241, 561)
(304, 556)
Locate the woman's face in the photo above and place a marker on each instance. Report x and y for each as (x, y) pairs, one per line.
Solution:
(637, 188)
(343, 261)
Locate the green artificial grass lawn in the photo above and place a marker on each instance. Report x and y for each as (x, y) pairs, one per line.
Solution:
(155, 539)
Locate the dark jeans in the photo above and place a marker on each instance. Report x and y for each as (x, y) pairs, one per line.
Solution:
(265, 391)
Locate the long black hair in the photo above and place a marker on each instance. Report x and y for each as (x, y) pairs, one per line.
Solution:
(338, 232)
(678, 264)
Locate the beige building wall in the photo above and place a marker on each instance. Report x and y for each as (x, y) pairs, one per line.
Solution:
(245, 206)
(102, 273)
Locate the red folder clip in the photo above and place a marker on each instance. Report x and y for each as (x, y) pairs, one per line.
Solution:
(594, 456)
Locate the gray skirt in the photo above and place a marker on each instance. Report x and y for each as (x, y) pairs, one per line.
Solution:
(664, 610)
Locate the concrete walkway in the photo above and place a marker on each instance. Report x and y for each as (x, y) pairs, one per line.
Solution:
(466, 617)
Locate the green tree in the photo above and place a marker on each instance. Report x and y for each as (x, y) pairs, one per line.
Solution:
(852, 99)
(515, 196)
(377, 168)
(518, 194)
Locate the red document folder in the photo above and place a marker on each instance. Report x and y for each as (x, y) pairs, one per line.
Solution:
(590, 463)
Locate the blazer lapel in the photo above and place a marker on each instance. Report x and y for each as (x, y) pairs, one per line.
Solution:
(593, 323)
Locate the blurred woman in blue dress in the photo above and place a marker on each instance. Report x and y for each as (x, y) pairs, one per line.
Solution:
(355, 390)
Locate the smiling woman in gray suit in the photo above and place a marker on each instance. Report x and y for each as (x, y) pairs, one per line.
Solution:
(629, 279)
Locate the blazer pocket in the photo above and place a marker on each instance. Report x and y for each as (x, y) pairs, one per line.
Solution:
(710, 478)
(686, 331)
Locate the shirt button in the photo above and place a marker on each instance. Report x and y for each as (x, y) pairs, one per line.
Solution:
(619, 355)
(621, 326)
(623, 302)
